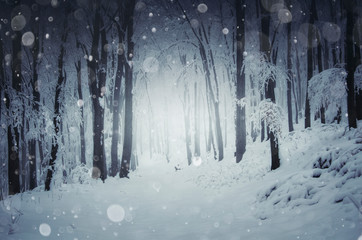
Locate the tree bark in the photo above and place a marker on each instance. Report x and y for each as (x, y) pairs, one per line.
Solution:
(117, 103)
(13, 132)
(269, 91)
(289, 67)
(96, 83)
(350, 64)
(197, 151)
(78, 67)
(127, 143)
(240, 124)
(35, 106)
(311, 35)
(56, 119)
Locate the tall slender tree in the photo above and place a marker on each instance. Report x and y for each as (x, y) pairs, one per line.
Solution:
(311, 37)
(240, 80)
(56, 119)
(13, 131)
(78, 67)
(96, 79)
(350, 63)
(265, 48)
(128, 129)
(289, 67)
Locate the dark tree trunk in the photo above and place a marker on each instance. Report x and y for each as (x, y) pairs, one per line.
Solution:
(311, 35)
(358, 95)
(117, 103)
(269, 91)
(359, 105)
(35, 106)
(127, 143)
(13, 132)
(262, 124)
(289, 67)
(298, 85)
(319, 58)
(295, 100)
(116, 116)
(350, 64)
(56, 121)
(96, 84)
(240, 125)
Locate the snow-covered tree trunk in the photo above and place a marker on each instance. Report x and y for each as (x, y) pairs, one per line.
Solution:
(35, 106)
(57, 117)
(13, 132)
(78, 67)
(197, 150)
(289, 67)
(265, 48)
(117, 103)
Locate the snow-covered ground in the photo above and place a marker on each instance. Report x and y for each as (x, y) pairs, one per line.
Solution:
(315, 194)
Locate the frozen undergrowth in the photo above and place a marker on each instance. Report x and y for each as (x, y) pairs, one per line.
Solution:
(315, 194)
(320, 164)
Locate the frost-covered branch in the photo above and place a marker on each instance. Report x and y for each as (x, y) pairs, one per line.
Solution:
(272, 114)
(257, 67)
(327, 87)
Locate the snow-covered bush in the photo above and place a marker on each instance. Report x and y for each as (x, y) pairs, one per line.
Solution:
(80, 174)
(327, 88)
(272, 114)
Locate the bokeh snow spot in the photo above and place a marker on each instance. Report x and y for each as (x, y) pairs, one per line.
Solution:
(45, 229)
(18, 22)
(194, 23)
(115, 213)
(28, 39)
(331, 32)
(80, 103)
(225, 31)
(151, 65)
(140, 6)
(285, 16)
(202, 8)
